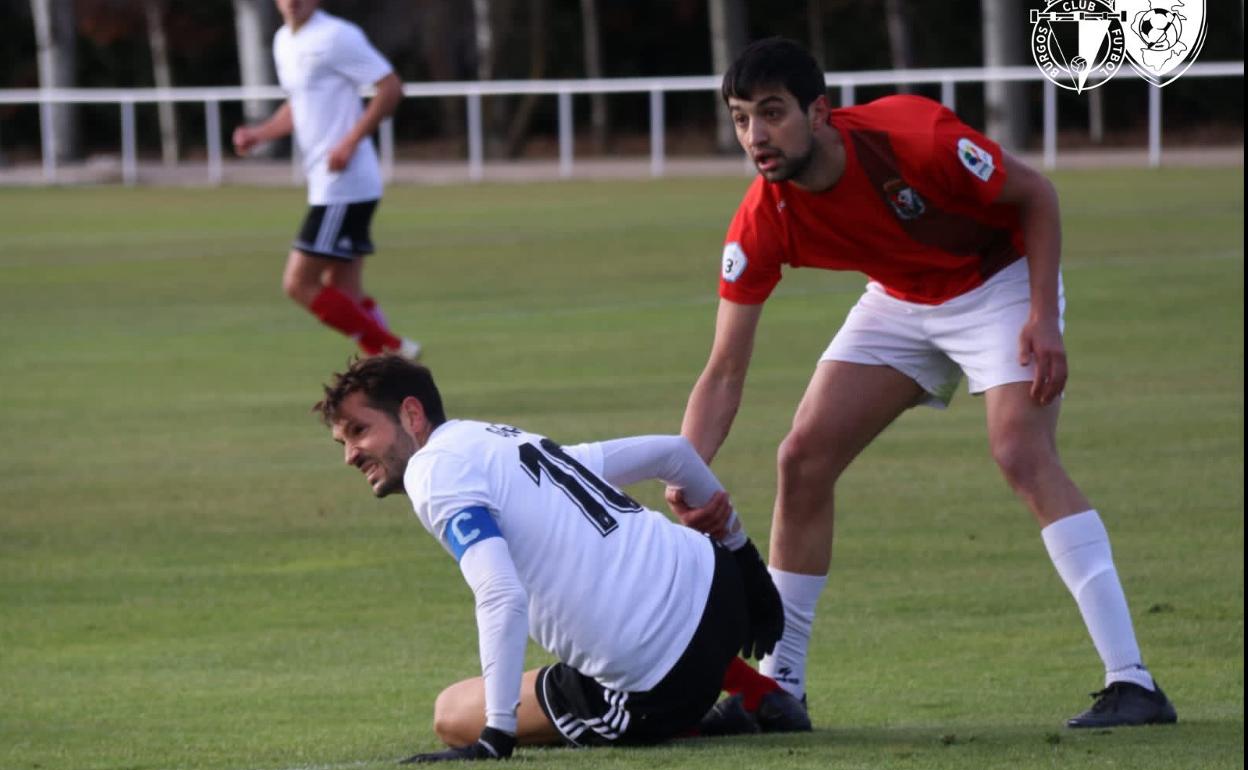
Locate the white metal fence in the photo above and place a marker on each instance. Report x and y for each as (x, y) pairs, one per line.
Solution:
(845, 83)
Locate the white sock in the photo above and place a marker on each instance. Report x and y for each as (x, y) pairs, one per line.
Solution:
(800, 594)
(1079, 548)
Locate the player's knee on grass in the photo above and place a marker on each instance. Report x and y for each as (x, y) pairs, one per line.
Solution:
(459, 713)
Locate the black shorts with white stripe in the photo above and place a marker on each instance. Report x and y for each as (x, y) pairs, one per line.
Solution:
(588, 714)
(337, 230)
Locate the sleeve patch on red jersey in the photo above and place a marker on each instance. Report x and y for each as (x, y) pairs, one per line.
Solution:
(977, 160)
(734, 261)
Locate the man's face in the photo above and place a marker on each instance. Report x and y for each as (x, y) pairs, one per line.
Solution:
(373, 442)
(296, 12)
(775, 131)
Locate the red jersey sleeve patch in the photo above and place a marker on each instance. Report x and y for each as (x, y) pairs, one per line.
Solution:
(750, 264)
(970, 164)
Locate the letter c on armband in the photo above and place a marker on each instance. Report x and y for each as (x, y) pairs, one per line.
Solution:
(469, 527)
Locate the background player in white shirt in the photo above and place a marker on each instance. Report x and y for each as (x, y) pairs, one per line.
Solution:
(644, 615)
(322, 63)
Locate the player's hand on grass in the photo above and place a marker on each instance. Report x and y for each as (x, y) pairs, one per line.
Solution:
(493, 744)
(1040, 342)
(710, 518)
(762, 600)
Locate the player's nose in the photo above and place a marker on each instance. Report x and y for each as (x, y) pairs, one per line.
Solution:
(756, 133)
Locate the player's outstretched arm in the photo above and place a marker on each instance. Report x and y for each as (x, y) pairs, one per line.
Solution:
(716, 396)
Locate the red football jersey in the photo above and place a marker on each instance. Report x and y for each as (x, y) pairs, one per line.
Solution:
(914, 210)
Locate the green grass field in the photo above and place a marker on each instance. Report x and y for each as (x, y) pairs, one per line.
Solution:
(189, 577)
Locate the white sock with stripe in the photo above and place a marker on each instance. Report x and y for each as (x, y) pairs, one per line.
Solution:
(800, 594)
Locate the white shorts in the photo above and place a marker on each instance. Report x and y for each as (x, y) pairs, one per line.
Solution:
(976, 333)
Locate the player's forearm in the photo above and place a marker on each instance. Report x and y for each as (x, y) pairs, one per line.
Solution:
(380, 107)
(669, 459)
(502, 628)
(280, 124)
(1042, 230)
(711, 409)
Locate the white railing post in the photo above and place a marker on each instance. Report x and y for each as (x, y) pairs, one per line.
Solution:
(847, 94)
(476, 148)
(212, 140)
(129, 165)
(566, 133)
(1050, 125)
(385, 133)
(1154, 127)
(47, 140)
(657, 133)
(948, 96)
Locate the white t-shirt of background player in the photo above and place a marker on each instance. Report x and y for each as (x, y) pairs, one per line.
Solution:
(322, 68)
(615, 590)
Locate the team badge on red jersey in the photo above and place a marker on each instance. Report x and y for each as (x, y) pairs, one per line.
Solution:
(905, 201)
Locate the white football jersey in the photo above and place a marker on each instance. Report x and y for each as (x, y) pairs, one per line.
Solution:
(322, 68)
(615, 590)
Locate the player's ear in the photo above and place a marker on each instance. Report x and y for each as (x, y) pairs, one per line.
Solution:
(818, 111)
(412, 415)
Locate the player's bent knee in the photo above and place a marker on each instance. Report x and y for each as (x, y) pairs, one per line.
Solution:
(457, 720)
(300, 291)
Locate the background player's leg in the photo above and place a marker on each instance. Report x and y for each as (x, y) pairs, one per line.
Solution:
(347, 277)
(459, 714)
(1023, 437)
(845, 406)
(304, 281)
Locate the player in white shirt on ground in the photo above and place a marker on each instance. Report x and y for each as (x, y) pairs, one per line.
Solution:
(322, 63)
(644, 615)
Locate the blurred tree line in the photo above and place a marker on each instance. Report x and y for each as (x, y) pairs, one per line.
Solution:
(144, 43)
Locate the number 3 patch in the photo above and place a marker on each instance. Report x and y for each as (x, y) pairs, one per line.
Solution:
(734, 261)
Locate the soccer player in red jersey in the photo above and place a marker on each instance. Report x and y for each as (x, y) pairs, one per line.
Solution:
(961, 243)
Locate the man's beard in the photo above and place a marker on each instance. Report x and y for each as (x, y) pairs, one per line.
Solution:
(395, 464)
(789, 169)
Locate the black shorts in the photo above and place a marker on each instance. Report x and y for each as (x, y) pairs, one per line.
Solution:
(588, 714)
(337, 230)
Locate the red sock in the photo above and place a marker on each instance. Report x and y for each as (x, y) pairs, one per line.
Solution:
(340, 312)
(748, 683)
(370, 306)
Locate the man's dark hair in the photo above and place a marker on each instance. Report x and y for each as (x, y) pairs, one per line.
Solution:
(385, 381)
(772, 62)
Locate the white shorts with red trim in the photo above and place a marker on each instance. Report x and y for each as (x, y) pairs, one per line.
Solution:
(976, 333)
